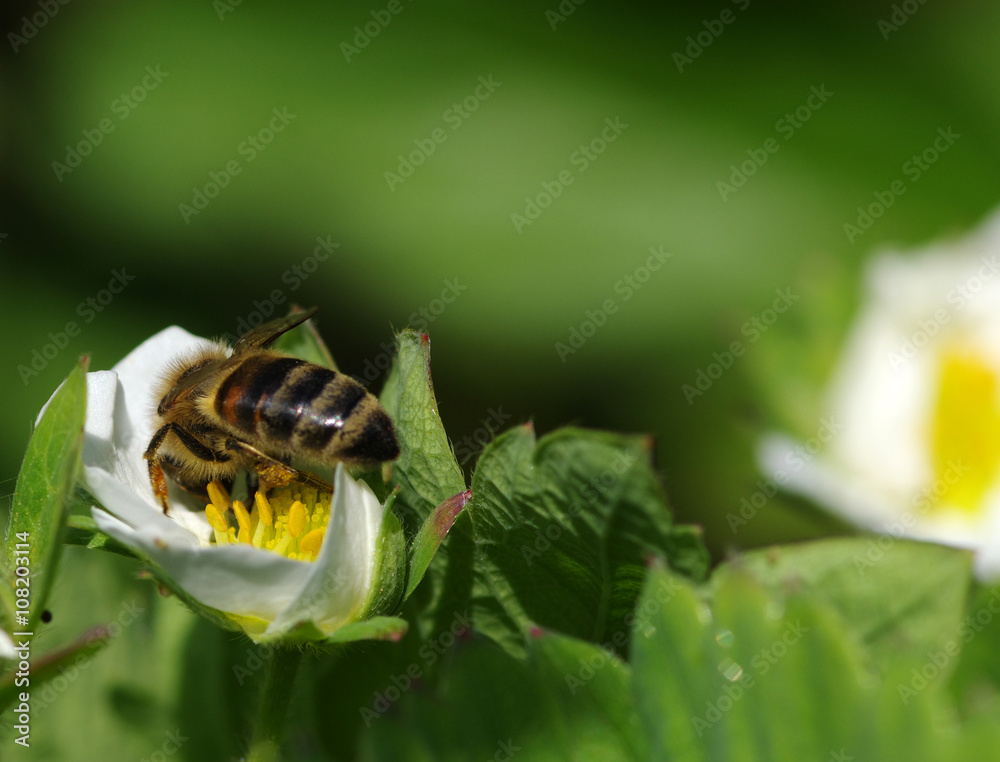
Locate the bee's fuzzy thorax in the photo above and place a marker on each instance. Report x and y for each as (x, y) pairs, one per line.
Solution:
(180, 365)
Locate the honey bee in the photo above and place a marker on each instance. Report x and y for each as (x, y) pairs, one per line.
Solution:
(254, 409)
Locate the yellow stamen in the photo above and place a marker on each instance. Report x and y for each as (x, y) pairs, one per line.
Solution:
(291, 521)
(219, 496)
(296, 519)
(260, 534)
(965, 431)
(282, 546)
(266, 514)
(243, 518)
(312, 541)
(215, 518)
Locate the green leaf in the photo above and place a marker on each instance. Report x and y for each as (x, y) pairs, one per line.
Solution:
(44, 492)
(754, 675)
(52, 664)
(426, 471)
(591, 689)
(431, 535)
(901, 598)
(562, 530)
(491, 705)
(976, 680)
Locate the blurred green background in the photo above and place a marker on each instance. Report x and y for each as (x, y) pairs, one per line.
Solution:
(184, 89)
(68, 230)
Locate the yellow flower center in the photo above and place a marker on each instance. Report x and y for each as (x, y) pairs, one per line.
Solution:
(291, 520)
(965, 431)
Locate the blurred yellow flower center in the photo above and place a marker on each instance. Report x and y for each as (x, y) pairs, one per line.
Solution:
(965, 433)
(291, 520)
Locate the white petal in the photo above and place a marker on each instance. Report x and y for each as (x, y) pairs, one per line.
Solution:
(7, 651)
(133, 510)
(236, 579)
(343, 571)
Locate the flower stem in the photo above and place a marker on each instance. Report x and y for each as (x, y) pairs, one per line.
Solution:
(276, 694)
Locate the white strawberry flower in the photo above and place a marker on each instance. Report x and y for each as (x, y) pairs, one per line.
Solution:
(917, 393)
(308, 566)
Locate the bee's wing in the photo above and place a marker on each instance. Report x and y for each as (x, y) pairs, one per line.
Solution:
(191, 381)
(267, 333)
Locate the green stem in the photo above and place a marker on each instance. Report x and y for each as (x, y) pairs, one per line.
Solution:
(276, 694)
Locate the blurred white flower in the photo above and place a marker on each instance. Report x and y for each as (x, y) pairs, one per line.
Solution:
(7, 651)
(917, 394)
(261, 581)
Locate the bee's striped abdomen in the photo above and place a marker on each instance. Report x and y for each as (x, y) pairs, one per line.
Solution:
(328, 413)
(247, 392)
(296, 406)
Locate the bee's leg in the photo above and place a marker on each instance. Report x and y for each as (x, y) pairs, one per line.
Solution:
(155, 461)
(273, 473)
(158, 481)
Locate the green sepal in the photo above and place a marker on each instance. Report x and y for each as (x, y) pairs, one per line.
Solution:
(44, 493)
(82, 530)
(426, 471)
(430, 536)
(389, 576)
